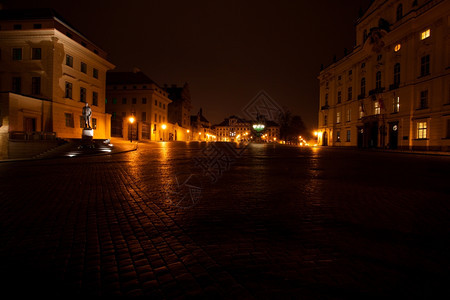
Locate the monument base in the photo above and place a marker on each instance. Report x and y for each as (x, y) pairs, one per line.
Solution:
(88, 134)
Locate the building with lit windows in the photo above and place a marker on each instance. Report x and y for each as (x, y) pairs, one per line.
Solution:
(48, 70)
(235, 129)
(201, 129)
(393, 90)
(134, 94)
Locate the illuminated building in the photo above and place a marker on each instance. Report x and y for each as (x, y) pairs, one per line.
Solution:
(234, 129)
(201, 129)
(48, 70)
(134, 93)
(391, 91)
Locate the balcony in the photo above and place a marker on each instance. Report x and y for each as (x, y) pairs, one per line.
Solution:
(361, 96)
(376, 91)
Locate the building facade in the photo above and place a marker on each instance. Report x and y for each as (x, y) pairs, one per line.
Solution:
(46, 60)
(181, 105)
(392, 91)
(235, 129)
(134, 94)
(201, 128)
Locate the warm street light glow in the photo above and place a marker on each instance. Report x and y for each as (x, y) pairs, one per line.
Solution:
(199, 133)
(163, 126)
(131, 119)
(187, 131)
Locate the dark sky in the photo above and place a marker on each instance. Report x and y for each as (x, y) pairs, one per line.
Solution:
(227, 51)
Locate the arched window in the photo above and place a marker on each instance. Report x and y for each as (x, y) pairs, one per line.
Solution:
(399, 12)
(397, 74)
(378, 80)
(363, 86)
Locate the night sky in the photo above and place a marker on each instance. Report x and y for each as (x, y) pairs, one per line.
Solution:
(227, 51)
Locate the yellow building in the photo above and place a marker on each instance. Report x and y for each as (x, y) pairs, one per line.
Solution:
(135, 94)
(56, 69)
(391, 91)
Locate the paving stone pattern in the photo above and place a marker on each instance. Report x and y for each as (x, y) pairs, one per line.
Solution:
(280, 222)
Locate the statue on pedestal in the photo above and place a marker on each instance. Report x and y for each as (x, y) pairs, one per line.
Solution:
(87, 113)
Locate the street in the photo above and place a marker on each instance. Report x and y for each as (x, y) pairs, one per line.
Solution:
(175, 220)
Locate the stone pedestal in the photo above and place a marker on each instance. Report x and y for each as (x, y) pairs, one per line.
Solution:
(88, 134)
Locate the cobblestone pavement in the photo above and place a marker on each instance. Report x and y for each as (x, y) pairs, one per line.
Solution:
(277, 222)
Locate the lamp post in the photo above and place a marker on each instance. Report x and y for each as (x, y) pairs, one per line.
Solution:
(131, 120)
(164, 126)
(187, 133)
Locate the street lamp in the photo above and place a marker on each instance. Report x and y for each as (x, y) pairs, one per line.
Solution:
(187, 133)
(164, 126)
(131, 120)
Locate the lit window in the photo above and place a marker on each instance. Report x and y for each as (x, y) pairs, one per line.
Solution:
(377, 108)
(349, 115)
(396, 105)
(421, 130)
(361, 110)
(425, 34)
(338, 117)
(397, 47)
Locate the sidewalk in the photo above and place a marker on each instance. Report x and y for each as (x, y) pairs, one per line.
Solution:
(75, 148)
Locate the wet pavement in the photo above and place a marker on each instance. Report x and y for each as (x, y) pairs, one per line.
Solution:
(180, 220)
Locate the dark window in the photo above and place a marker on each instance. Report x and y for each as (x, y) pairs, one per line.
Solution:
(68, 93)
(378, 80)
(36, 53)
(144, 116)
(363, 65)
(133, 101)
(69, 120)
(37, 26)
(16, 84)
(124, 100)
(325, 120)
(349, 93)
(339, 97)
(17, 26)
(36, 85)
(425, 65)
(95, 98)
(348, 135)
(83, 67)
(114, 101)
(164, 106)
(349, 72)
(399, 12)
(326, 99)
(82, 94)
(144, 100)
(397, 74)
(363, 86)
(17, 54)
(423, 99)
(156, 103)
(69, 60)
(95, 73)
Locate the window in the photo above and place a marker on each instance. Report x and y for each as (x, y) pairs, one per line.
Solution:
(349, 72)
(124, 115)
(83, 67)
(95, 73)
(114, 101)
(421, 130)
(338, 117)
(361, 110)
(144, 116)
(94, 123)
(349, 94)
(144, 100)
(124, 100)
(338, 136)
(95, 98)
(363, 65)
(17, 53)
(378, 80)
(69, 120)
(348, 135)
(156, 103)
(69, 60)
(425, 65)
(363, 87)
(397, 74)
(423, 99)
(82, 122)
(16, 84)
(36, 85)
(376, 109)
(397, 47)
(82, 94)
(425, 34)
(349, 115)
(156, 119)
(396, 104)
(399, 12)
(133, 101)
(36, 53)
(325, 120)
(339, 97)
(326, 99)
(17, 26)
(379, 57)
(68, 93)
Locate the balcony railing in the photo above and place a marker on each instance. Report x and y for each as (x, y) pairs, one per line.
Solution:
(376, 91)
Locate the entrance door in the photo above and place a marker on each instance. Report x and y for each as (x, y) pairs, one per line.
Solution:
(393, 135)
(360, 137)
(29, 124)
(324, 139)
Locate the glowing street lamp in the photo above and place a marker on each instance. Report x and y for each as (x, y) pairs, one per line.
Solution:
(131, 119)
(163, 127)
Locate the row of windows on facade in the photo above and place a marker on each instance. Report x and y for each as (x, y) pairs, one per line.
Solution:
(135, 87)
(424, 71)
(70, 121)
(378, 105)
(35, 85)
(36, 54)
(424, 64)
(83, 94)
(134, 101)
(160, 118)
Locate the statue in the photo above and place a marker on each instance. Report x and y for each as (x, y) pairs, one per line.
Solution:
(87, 113)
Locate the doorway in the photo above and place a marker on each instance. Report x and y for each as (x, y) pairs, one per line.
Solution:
(393, 135)
(29, 124)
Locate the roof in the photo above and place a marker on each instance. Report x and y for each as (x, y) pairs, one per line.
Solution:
(127, 78)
